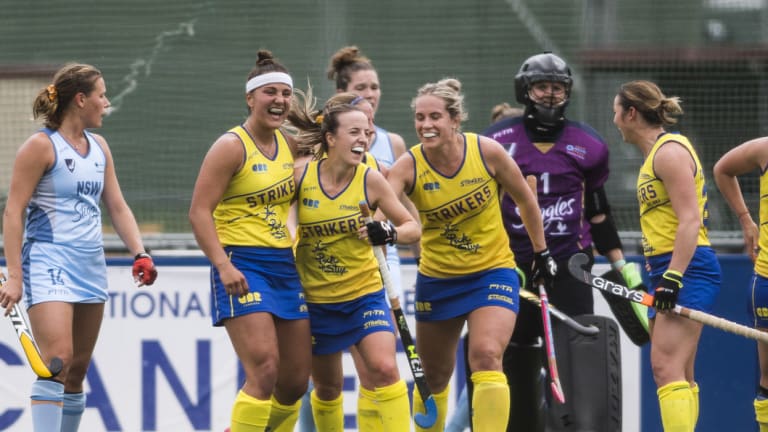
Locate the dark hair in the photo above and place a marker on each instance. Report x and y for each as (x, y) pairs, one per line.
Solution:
(344, 62)
(266, 63)
(650, 102)
(52, 101)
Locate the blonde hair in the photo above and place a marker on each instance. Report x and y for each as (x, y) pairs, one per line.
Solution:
(449, 90)
(313, 124)
(503, 111)
(650, 102)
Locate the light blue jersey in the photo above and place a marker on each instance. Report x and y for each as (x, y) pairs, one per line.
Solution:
(381, 148)
(63, 253)
(64, 208)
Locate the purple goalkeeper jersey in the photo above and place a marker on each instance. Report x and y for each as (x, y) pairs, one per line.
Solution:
(576, 164)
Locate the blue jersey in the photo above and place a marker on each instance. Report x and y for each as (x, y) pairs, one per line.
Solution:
(574, 165)
(64, 207)
(381, 148)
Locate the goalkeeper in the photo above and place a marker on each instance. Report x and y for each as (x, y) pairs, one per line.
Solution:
(570, 162)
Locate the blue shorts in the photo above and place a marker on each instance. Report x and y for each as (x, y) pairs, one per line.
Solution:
(439, 299)
(337, 326)
(701, 280)
(273, 282)
(758, 301)
(55, 272)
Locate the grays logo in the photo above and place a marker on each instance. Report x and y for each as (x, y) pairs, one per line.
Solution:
(616, 289)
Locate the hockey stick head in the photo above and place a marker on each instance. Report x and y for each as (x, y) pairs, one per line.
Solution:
(429, 417)
(576, 266)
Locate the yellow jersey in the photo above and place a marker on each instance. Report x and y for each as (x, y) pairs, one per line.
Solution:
(253, 210)
(334, 264)
(658, 221)
(462, 230)
(761, 264)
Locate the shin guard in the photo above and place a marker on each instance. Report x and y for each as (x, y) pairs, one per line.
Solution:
(249, 414)
(675, 403)
(491, 401)
(761, 413)
(394, 407)
(328, 415)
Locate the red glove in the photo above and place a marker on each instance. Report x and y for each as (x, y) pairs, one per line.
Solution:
(144, 271)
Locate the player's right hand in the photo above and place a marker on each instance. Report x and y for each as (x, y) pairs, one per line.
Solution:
(665, 296)
(10, 293)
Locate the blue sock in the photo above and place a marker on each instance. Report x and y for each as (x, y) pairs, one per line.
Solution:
(47, 402)
(74, 405)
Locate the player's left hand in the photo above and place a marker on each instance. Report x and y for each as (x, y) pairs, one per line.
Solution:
(144, 271)
(665, 296)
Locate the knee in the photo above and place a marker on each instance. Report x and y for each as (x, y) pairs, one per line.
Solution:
(485, 357)
(383, 372)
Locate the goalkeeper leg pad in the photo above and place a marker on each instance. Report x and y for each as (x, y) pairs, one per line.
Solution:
(590, 373)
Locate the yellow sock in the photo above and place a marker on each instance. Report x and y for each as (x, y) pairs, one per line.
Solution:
(249, 414)
(394, 407)
(761, 414)
(675, 403)
(328, 415)
(490, 401)
(441, 401)
(695, 405)
(368, 417)
(283, 418)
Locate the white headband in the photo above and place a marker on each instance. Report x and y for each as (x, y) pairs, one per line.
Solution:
(268, 78)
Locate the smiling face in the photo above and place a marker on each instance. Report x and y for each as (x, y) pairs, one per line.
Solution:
(432, 121)
(348, 143)
(269, 104)
(619, 119)
(365, 83)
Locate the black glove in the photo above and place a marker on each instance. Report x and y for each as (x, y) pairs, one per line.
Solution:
(665, 297)
(544, 268)
(381, 232)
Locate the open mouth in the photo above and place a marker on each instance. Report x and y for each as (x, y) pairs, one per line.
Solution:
(429, 134)
(358, 150)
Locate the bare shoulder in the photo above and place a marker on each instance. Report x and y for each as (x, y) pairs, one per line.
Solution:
(398, 144)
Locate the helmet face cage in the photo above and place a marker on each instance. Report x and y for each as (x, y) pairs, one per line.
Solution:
(541, 67)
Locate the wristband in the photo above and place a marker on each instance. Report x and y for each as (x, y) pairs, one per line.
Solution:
(617, 265)
(142, 255)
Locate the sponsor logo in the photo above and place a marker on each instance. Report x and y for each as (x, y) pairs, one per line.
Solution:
(259, 167)
(619, 290)
(432, 186)
(575, 150)
(306, 202)
(471, 182)
(70, 164)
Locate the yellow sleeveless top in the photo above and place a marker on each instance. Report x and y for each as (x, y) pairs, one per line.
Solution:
(658, 221)
(334, 264)
(254, 208)
(761, 264)
(462, 230)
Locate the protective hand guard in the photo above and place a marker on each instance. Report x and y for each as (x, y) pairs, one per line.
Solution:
(144, 271)
(665, 296)
(381, 232)
(544, 268)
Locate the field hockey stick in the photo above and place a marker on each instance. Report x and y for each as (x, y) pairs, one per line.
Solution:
(427, 419)
(561, 316)
(576, 267)
(28, 344)
(557, 388)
